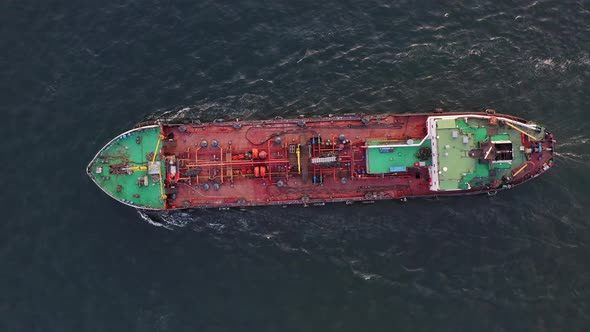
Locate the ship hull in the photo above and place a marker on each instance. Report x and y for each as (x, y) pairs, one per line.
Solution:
(314, 161)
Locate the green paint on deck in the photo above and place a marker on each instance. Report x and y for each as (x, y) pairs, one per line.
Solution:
(475, 127)
(400, 156)
(500, 137)
(482, 171)
(128, 150)
(455, 166)
(462, 170)
(506, 165)
(446, 124)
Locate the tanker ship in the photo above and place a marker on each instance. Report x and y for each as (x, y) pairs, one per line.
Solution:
(313, 161)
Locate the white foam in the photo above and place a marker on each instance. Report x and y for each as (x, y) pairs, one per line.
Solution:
(575, 157)
(152, 222)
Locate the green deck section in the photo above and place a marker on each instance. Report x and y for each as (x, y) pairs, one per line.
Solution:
(125, 149)
(480, 172)
(455, 166)
(500, 137)
(459, 171)
(399, 156)
(506, 165)
(475, 129)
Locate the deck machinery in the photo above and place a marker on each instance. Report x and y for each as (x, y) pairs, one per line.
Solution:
(347, 158)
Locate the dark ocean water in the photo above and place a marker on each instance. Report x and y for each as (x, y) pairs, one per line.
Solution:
(77, 73)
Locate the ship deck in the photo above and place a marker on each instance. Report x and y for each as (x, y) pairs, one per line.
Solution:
(129, 149)
(314, 161)
(461, 169)
(397, 158)
(225, 180)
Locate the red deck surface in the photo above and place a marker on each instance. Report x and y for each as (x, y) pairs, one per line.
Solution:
(227, 176)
